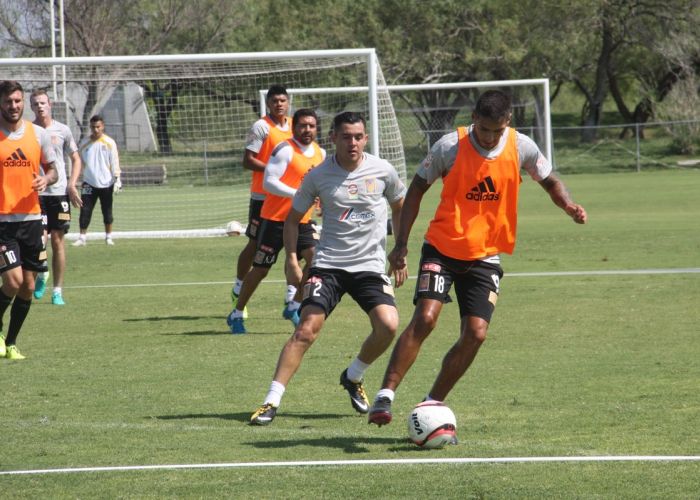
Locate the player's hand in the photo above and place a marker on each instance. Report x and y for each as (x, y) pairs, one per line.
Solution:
(74, 196)
(293, 271)
(117, 185)
(577, 213)
(39, 183)
(400, 275)
(397, 257)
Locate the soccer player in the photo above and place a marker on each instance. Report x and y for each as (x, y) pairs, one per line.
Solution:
(101, 172)
(354, 188)
(474, 222)
(25, 149)
(56, 199)
(264, 135)
(290, 162)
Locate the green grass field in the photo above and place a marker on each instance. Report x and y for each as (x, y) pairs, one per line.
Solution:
(138, 370)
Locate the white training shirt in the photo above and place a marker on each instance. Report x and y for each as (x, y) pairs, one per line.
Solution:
(277, 166)
(63, 145)
(100, 161)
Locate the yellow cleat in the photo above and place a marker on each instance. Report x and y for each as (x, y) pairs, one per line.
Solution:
(13, 353)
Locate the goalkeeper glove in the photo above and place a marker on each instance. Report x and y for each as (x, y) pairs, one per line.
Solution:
(117, 185)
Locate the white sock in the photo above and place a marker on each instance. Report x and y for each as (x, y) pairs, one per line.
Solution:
(293, 305)
(356, 370)
(291, 292)
(44, 276)
(237, 286)
(83, 237)
(385, 393)
(108, 236)
(57, 289)
(236, 314)
(274, 395)
(429, 398)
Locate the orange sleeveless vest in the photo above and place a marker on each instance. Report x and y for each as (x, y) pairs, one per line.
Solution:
(277, 207)
(274, 137)
(477, 214)
(19, 163)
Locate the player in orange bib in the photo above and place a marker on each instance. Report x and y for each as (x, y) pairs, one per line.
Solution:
(25, 149)
(475, 221)
(291, 160)
(264, 135)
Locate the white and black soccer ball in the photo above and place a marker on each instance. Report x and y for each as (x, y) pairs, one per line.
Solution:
(234, 228)
(431, 424)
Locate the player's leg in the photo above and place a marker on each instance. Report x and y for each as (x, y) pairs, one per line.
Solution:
(306, 249)
(58, 265)
(32, 256)
(245, 258)
(89, 198)
(477, 292)
(106, 196)
(43, 278)
(432, 291)
(322, 294)
(269, 245)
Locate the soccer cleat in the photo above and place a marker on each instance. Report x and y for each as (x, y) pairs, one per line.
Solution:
(79, 242)
(292, 316)
(3, 348)
(57, 299)
(236, 325)
(39, 287)
(263, 415)
(380, 413)
(13, 353)
(234, 300)
(109, 241)
(358, 397)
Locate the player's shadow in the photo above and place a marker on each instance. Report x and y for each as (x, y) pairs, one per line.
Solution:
(173, 318)
(348, 444)
(245, 417)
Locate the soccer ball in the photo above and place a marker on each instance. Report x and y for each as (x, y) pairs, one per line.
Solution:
(431, 424)
(234, 228)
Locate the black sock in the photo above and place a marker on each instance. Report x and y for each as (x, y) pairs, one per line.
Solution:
(18, 313)
(5, 302)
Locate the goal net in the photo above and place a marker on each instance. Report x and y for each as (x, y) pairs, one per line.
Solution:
(180, 123)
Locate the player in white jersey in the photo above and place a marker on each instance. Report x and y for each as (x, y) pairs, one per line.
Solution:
(353, 188)
(56, 199)
(100, 178)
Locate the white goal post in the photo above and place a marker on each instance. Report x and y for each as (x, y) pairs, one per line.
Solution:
(181, 121)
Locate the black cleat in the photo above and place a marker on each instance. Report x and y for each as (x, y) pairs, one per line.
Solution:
(358, 397)
(263, 415)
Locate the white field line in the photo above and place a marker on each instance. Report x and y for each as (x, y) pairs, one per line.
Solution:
(619, 272)
(394, 461)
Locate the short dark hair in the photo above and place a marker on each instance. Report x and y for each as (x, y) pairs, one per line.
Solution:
(348, 117)
(97, 118)
(275, 90)
(494, 105)
(38, 92)
(300, 113)
(7, 87)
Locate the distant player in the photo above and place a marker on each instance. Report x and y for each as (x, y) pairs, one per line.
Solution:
(474, 222)
(101, 181)
(264, 135)
(354, 188)
(25, 149)
(290, 162)
(56, 199)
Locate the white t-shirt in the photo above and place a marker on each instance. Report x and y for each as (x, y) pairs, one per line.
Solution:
(63, 145)
(100, 161)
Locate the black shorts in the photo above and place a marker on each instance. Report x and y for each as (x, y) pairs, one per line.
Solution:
(254, 219)
(55, 212)
(271, 241)
(477, 283)
(325, 287)
(22, 244)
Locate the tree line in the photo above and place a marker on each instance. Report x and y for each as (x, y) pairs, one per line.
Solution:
(636, 54)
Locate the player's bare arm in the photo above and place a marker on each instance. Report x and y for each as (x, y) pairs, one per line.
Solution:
(409, 212)
(250, 162)
(50, 176)
(290, 235)
(561, 198)
(400, 273)
(72, 190)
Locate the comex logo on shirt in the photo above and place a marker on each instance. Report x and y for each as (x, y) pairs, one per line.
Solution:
(484, 191)
(352, 216)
